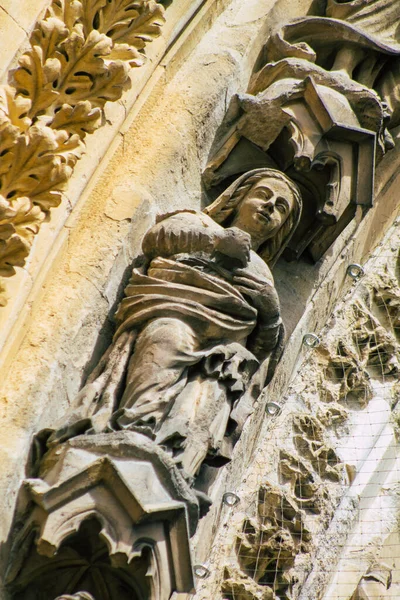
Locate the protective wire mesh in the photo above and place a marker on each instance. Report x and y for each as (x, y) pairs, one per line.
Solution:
(319, 511)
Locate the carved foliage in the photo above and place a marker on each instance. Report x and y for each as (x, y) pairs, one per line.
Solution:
(386, 294)
(269, 544)
(365, 347)
(304, 483)
(236, 586)
(274, 548)
(309, 441)
(79, 58)
(360, 345)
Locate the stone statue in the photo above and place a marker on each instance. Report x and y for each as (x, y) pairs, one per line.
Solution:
(195, 325)
(375, 583)
(321, 105)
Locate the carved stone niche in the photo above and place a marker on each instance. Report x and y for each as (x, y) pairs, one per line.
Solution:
(315, 113)
(312, 134)
(110, 516)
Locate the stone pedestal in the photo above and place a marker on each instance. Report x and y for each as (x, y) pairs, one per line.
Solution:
(109, 515)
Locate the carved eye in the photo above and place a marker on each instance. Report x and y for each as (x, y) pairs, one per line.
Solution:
(264, 193)
(281, 205)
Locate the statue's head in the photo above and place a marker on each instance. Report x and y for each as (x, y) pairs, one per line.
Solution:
(77, 596)
(264, 203)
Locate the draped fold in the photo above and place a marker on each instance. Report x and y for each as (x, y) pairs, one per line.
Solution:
(376, 18)
(173, 289)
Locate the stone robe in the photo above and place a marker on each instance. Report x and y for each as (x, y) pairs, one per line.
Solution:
(178, 369)
(378, 19)
(190, 366)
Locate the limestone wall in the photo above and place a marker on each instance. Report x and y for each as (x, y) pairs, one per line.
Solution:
(148, 159)
(318, 501)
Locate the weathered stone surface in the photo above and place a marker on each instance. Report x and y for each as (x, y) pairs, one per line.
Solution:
(115, 488)
(375, 583)
(339, 461)
(161, 157)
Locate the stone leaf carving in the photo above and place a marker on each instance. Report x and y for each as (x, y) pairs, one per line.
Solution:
(80, 119)
(19, 222)
(236, 585)
(13, 110)
(359, 343)
(273, 549)
(39, 154)
(386, 295)
(268, 545)
(371, 347)
(3, 295)
(310, 443)
(306, 488)
(362, 343)
(130, 24)
(79, 59)
(311, 478)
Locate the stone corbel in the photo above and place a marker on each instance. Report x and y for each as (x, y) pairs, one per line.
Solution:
(123, 494)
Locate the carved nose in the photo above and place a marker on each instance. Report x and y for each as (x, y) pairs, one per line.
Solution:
(270, 205)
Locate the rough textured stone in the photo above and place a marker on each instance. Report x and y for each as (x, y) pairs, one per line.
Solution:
(303, 459)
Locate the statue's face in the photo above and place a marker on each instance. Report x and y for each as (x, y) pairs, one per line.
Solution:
(264, 209)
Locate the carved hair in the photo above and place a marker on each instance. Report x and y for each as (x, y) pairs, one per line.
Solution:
(222, 210)
(77, 596)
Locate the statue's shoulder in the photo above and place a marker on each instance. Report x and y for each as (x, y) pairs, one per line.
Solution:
(165, 216)
(187, 216)
(257, 266)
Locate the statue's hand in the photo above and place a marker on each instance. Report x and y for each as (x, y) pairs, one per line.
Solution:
(262, 293)
(268, 337)
(234, 243)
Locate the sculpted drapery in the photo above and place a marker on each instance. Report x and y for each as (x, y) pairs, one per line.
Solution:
(199, 331)
(195, 325)
(376, 583)
(377, 18)
(371, 25)
(359, 38)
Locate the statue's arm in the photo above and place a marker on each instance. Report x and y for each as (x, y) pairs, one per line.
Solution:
(192, 232)
(259, 288)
